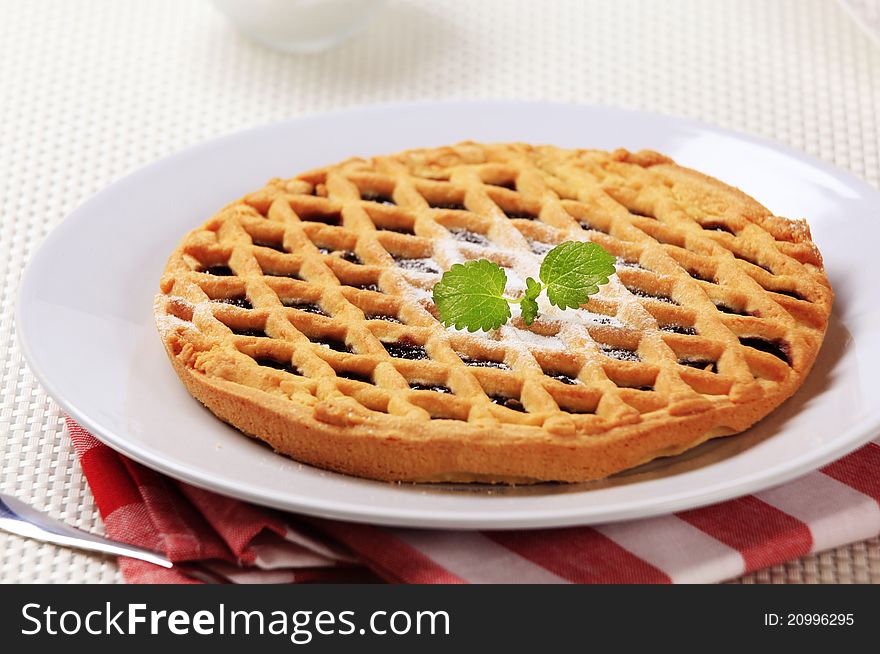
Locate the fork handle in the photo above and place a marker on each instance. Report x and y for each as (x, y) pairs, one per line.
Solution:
(19, 518)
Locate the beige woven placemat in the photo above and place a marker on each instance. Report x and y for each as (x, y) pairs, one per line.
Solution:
(92, 89)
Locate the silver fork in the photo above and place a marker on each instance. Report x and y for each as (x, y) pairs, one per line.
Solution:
(19, 518)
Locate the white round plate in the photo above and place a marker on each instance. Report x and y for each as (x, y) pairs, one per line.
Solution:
(86, 326)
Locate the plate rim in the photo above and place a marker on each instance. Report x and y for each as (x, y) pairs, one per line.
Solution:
(481, 518)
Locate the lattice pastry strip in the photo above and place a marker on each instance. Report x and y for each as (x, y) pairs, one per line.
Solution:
(302, 314)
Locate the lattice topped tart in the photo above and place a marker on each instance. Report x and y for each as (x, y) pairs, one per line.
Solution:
(303, 314)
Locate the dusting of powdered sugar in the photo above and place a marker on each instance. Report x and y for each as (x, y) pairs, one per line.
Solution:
(529, 340)
(448, 252)
(571, 325)
(467, 236)
(540, 248)
(516, 285)
(167, 323)
(418, 295)
(476, 337)
(519, 264)
(420, 266)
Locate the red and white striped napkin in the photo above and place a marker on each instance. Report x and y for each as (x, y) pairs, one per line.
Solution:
(248, 544)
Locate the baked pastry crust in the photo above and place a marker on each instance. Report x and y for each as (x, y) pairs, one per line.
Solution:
(302, 314)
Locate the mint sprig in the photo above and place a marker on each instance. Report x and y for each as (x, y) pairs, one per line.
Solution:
(471, 296)
(528, 305)
(573, 272)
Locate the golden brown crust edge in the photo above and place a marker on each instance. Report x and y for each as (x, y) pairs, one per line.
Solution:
(439, 455)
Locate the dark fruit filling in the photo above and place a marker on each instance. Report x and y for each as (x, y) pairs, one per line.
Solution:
(331, 343)
(508, 402)
(628, 264)
(256, 333)
(354, 376)
(384, 316)
(423, 265)
(724, 308)
(286, 366)
(621, 354)
(369, 286)
(509, 184)
(401, 350)
(483, 363)
(326, 218)
(513, 214)
(779, 349)
(539, 247)
(381, 198)
(219, 271)
(272, 246)
(562, 377)
(651, 296)
(468, 236)
(679, 329)
(456, 206)
(437, 388)
(718, 227)
(590, 226)
(308, 307)
(696, 275)
(792, 294)
(577, 410)
(700, 364)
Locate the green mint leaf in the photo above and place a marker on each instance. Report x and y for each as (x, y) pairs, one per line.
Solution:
(573, 272)
(533, 288)
(470, 295)
(528, 305)
(529, 310)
